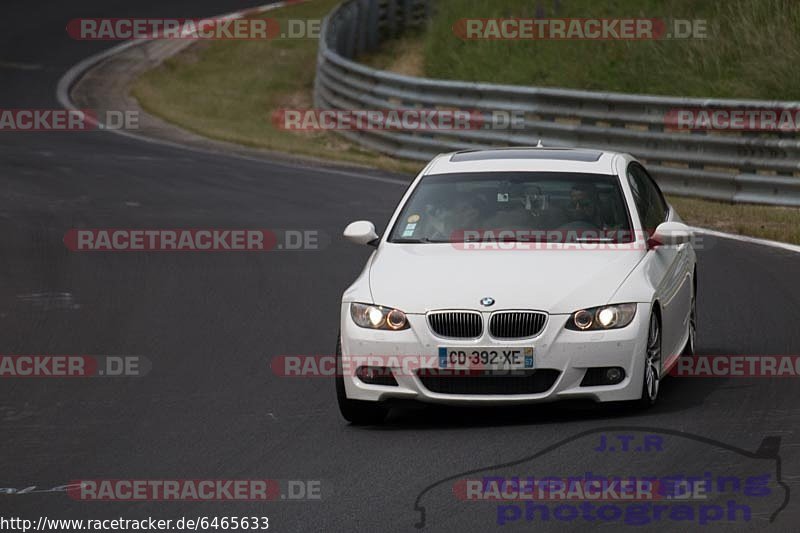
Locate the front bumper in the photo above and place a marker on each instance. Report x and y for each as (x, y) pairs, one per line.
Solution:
(569, 352)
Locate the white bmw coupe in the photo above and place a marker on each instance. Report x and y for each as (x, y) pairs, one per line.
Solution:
(519, 275)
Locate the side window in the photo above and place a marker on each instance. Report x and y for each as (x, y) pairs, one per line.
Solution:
(648, 198)
(659, 203)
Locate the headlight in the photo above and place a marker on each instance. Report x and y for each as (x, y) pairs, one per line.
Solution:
(599, 318)
(378, 317)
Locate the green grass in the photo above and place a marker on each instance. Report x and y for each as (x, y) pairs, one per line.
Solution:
(228, 90)
(766, 222)
(753, 49)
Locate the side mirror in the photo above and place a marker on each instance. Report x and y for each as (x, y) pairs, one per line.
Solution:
(670, 234)
(361, 232)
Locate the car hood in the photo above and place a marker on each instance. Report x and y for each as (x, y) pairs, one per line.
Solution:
(417, 278)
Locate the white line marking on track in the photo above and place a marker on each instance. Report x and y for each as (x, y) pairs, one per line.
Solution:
(75, 72)
(750, 240)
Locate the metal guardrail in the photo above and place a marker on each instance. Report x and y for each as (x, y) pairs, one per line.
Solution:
(756, 167)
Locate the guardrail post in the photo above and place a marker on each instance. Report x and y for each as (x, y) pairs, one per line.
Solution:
(408, 13)
(371, 29)
(360, 27)
(391, 19)
(427, 10)
(347, 32)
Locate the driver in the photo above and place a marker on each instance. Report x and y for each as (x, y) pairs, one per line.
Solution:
(462, 213)
(582, 209)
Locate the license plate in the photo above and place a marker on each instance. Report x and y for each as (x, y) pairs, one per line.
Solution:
(486, 358)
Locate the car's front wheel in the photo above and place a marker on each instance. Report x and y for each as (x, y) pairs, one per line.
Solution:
(356, 412)
(651, 377)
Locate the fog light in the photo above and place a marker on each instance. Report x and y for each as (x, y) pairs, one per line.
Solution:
(614, 375)
(606, 375)
(376, 375)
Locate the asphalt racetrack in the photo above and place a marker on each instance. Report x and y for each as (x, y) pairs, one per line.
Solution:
(211, 407)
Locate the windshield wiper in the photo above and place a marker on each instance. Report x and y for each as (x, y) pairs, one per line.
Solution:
(596, 239)
(422, 240)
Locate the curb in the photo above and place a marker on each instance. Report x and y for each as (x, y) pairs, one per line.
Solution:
(68, 80)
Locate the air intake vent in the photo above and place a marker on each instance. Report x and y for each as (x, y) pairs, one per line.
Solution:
(527, 382)
(516, 324)
(456, 324)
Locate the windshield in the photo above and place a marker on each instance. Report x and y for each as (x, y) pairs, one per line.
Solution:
(515, 206)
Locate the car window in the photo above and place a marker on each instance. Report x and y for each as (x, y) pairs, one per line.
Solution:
(647, 196)
(565, 205)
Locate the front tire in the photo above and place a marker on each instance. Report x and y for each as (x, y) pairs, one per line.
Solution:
(357, 412)
(651, 377)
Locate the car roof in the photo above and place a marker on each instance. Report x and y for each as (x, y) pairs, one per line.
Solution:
(525, 159)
